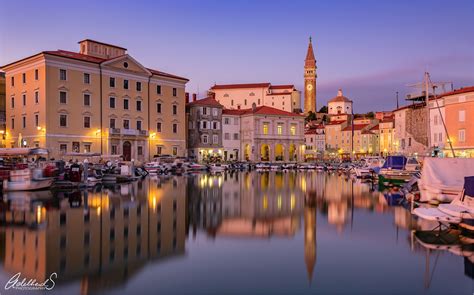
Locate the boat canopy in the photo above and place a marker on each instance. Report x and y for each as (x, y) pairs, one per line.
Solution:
(15, 152)
(395, 162)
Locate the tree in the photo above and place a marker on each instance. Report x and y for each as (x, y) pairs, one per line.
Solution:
(323, 109)
(310, 117)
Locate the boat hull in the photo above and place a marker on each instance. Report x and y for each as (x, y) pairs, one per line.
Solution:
(28, 185)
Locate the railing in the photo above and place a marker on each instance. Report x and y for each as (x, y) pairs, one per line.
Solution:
(130, 132)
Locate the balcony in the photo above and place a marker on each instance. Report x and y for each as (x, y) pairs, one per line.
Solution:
(128, 132)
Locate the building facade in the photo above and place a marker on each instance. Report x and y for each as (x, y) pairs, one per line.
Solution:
(339, 107)
(315, 141)
(243, 96)
(386, 132)
(231, 134)
(99, 100)
(310, 80)
(204, 130)
(269, 134)
(2, 110)
(411, 132)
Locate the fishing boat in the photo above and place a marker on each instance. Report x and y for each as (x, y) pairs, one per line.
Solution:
(394, 171)
(368, 167)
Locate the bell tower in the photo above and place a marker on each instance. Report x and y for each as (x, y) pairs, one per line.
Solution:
(310, 80)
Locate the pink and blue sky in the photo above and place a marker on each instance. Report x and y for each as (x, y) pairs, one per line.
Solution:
(371, 49)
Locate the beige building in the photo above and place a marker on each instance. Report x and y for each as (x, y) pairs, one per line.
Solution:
(98, 100)
(243, 96)
(269, 134)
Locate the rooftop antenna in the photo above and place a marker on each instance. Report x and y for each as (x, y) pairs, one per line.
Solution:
(397, 100)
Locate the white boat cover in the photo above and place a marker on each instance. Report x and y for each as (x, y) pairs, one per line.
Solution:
(434, 214)
(457, 210)
(442, 179)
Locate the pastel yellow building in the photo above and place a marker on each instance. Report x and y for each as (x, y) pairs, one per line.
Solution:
(98, 100)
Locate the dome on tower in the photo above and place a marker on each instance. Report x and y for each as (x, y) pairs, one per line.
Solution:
(340, 97)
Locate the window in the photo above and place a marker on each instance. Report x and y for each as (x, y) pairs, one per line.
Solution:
(139, 105)
(158, 127)
(462, 115)
(114, 150)
(112, 102)
(24, 121)
(62, 97)
(462, 135)
(174, 92)
(23, 77)
(87, 148)
(12, 80)
(258, 101)
(175, 151)
(63, 120)
(36, 97)
(215, 112)
(158, 150)
(204, 124)
(112, 123)
(204, 139)
(13, 123)
(126, 124)
(13, 102)
(236, 136)
(226, 121)
(87, 122)
(125, 84)
(140, 150)
(24, 99)
(36, 120)
(112, 82)
(175, 109)
(36, 74)
(204, 111)
(214, 125)
(62, 75)
(440, 137)
(236, 121)
(279, 129)
(63, 148)
(245, 101)
(175, 128)
(226, 136)
(265, 128)
(232, 102)
(435, 119)
(215, 139)
(158, 89)
(87, 78)
(125, 104)
(139, 125)
(409, 141)
(139, 86)
(158, 108)
(293, 130)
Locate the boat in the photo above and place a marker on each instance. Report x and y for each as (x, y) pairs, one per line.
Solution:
(442, 179)
(368, 167)
(154, 167)
(196, 167)
(394, 171)
(216, 167)
(27, 180)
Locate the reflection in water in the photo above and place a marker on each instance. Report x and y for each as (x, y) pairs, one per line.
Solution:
(104, 237)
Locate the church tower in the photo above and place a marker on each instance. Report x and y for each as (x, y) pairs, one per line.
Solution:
(310, 80)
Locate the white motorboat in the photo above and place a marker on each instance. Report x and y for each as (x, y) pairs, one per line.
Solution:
(154, 167)
(369, 165)
(196, 167)
(26, 180)
(216, 168)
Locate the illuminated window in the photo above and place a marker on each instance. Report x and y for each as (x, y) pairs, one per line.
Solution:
(175, 151)
(265, 128)
(293, 130)
(280, 129)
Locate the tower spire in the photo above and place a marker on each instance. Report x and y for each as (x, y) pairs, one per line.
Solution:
(310, 53)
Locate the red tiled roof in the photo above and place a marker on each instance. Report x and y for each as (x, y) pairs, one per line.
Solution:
(341, 98)
(310, 131)
(367, 132)
(336, 122)
(356, 127)
(412, 105)
(279, 93)
(233, 86)
(457, 91)
(376, 127)
(281, 86)
(208, 101)
(92, 59)
(233, 112)
(266, 110)
(98, 42)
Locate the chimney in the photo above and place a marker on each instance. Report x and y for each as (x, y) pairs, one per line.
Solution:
(211, 94)
(187, 97)
(194, 96)
(254, 107)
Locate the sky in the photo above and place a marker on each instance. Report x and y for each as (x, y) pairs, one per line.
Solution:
(370, 49)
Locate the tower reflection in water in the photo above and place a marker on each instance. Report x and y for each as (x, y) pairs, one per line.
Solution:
(100, 237)
(106, 236)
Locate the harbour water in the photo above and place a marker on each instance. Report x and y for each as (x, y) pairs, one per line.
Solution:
(235, 233)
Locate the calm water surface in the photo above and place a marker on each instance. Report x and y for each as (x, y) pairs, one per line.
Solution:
(249, 232)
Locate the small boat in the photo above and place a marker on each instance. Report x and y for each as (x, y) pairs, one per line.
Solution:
(394, 171)
(196, 167)
(154, 167)
(369, 166)
(26, 180)
(216, 168)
